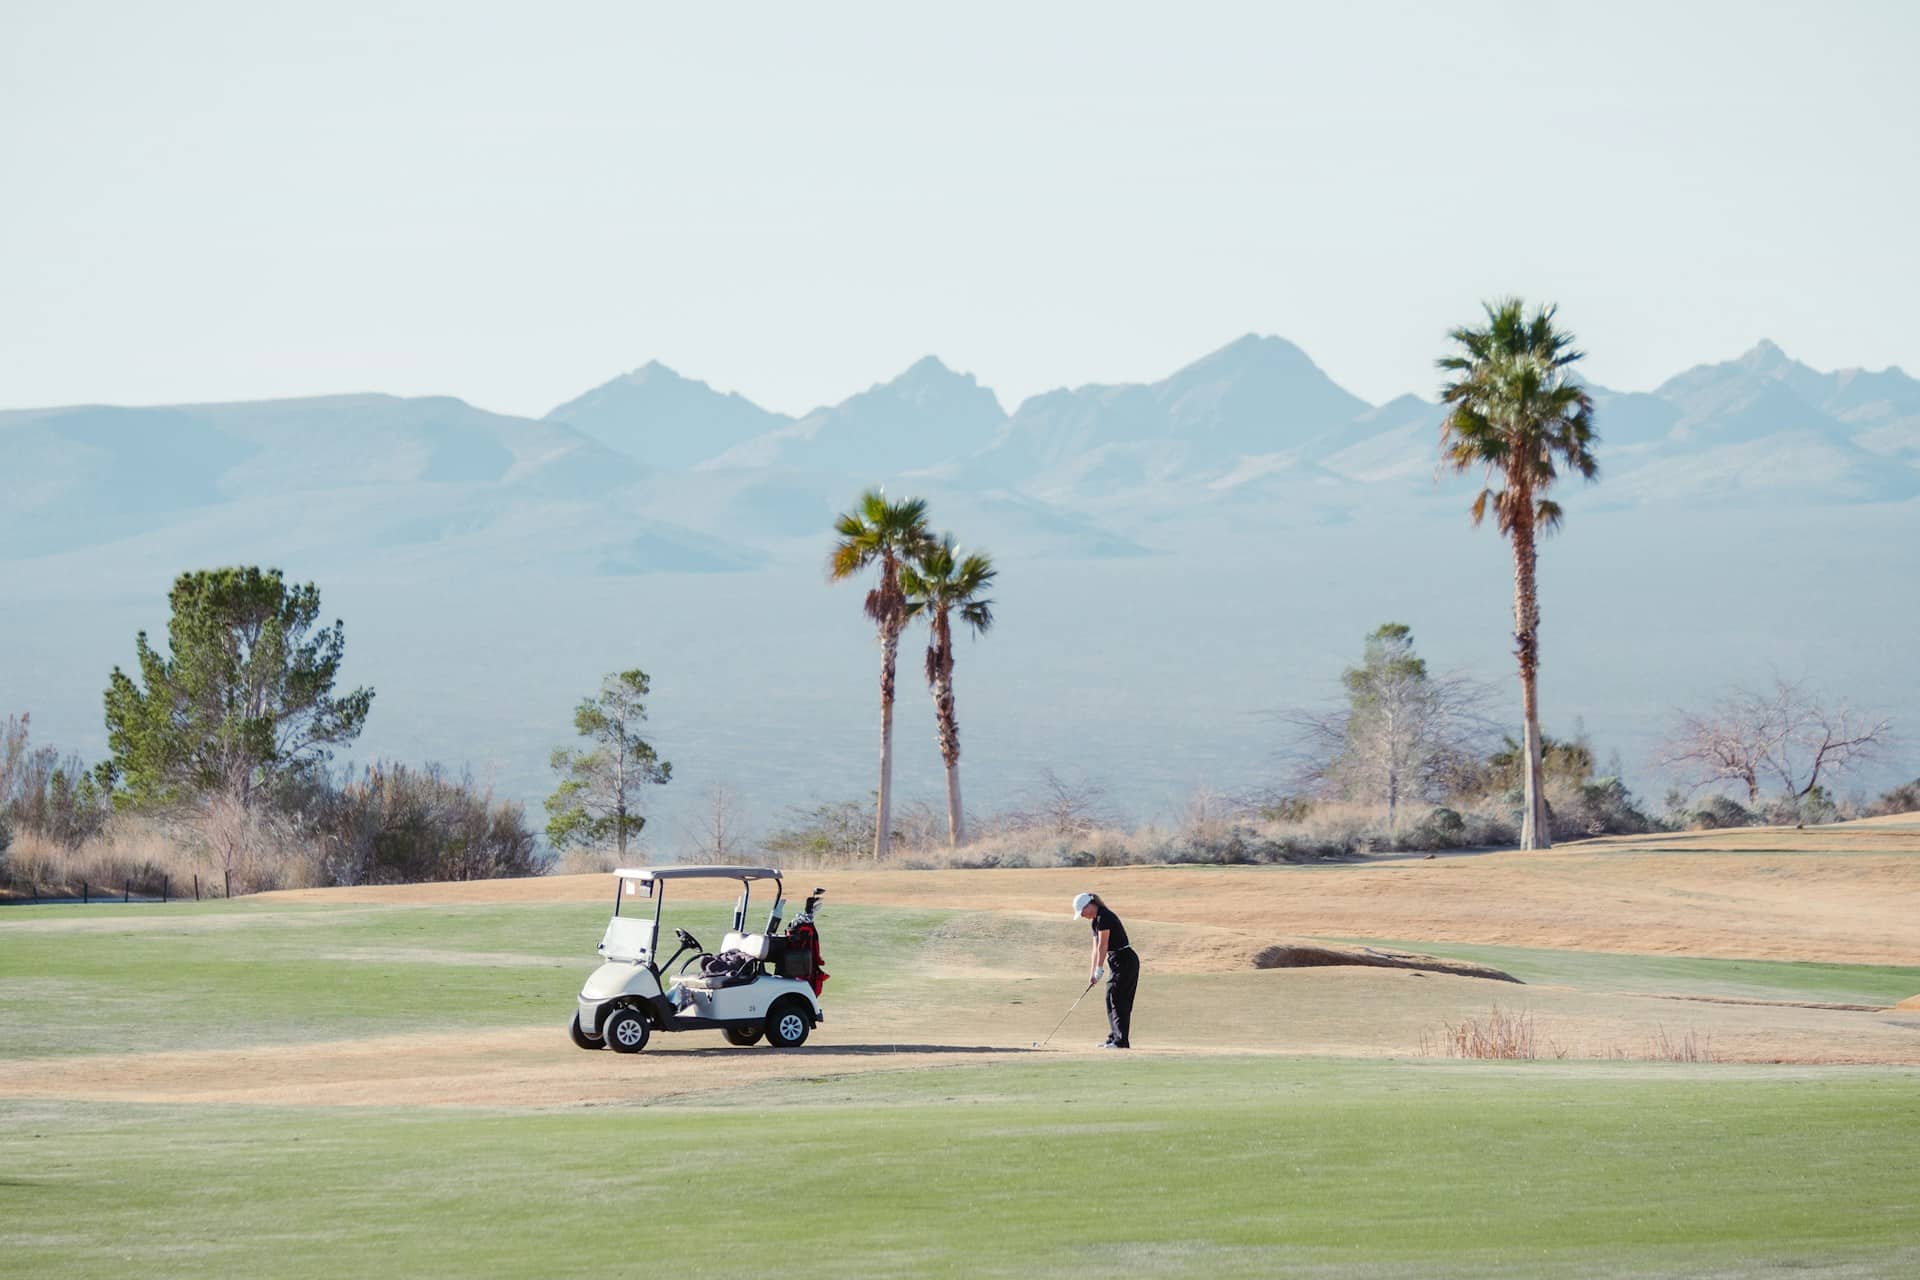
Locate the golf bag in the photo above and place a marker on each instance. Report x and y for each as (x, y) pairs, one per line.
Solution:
(801, 958)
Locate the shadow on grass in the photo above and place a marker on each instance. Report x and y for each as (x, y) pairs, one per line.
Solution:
(841, 1050)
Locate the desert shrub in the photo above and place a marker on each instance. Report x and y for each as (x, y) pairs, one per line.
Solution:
(1290, 809)
(1438, 828)
(397, 823)
(826, 834)
(1719, 811)
(391, 823)
(45, 792)
(1564, 760)
(580, 862)
(1812, 809)
(1599, 806)
(1904, 798)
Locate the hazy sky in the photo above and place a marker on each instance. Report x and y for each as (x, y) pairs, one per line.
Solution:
(513, 202)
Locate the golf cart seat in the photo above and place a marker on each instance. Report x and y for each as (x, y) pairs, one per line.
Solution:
(772, 951)
(735, 964)
(718, 981)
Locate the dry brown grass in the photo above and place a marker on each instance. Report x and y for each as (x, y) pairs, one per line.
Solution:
(1857, 909)
(1505, 1034)
(147, 856)
(1689, 1046)
(1897, 833)
(1501, 1034)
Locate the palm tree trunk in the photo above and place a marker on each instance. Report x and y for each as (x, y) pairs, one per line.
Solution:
(1534, 833)
(883, 815)
(948, 727)
(956, 818)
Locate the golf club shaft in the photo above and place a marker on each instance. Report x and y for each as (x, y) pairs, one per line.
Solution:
(1069, 1013)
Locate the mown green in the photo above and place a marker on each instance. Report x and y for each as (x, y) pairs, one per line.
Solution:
(1143, 1167)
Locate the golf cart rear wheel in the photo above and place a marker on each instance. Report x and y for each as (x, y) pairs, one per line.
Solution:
(625, 1031)
(788, 1024)
(743, 1036)
(581, 1038)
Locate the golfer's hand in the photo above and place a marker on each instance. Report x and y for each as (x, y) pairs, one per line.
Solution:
(1096, 976)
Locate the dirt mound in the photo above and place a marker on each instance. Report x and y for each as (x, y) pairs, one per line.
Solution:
(1296, 955)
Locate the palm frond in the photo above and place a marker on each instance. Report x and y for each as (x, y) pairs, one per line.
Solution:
(1547, 516)
(1514, 406)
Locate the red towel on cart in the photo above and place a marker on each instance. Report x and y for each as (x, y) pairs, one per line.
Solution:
(807, 937)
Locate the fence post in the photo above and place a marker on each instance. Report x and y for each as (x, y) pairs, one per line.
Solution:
(164, 885)
(84, 898)
(229, 876)
(126, 891)
(196, 886)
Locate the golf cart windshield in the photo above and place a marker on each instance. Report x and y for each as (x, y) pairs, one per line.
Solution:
(634, 936)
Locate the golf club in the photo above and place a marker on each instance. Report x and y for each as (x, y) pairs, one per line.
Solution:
(1041, 1044)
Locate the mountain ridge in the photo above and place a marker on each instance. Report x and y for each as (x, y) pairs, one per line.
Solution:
(1081, 470)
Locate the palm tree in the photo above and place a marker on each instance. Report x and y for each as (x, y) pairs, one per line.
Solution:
(889, 534)
(1515, 408)
(938, 584)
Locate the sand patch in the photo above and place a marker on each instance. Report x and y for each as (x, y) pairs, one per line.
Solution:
(1911, 1002)
(500, 1068)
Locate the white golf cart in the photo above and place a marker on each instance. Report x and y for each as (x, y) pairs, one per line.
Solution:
(757, 984)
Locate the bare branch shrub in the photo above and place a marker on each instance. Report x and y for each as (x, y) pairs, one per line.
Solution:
(720, 836)
(1061, 806)
(1399, 735)
(44, 792)
(1785, 734)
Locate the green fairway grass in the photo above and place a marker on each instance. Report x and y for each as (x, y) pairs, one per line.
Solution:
(1878, 985)
(1203, 1163)
(216, 974)
(1214, 1167)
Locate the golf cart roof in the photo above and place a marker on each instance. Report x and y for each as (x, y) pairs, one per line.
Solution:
(697, 873)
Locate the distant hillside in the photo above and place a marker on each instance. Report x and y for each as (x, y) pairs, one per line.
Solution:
(337, 479)
(655, 416)
(653, 471)
(925, 416)
(1178, 556)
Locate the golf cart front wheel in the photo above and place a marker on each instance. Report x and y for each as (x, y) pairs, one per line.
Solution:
(788, 1025)
(625, 1031)
(581, 1038)
(743, 1036)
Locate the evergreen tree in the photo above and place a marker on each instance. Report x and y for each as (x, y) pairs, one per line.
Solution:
(241, 699)
(598, 799)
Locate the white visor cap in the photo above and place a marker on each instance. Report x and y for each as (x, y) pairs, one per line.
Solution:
(1080, 903)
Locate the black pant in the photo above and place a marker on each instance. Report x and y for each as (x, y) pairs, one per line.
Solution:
(1123, 979)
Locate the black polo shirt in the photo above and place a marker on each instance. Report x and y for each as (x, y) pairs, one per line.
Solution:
(1116, 932)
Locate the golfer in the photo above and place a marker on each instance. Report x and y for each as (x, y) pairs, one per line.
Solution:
(1114, 955)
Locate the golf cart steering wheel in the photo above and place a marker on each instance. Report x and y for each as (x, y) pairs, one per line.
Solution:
(690, 943)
